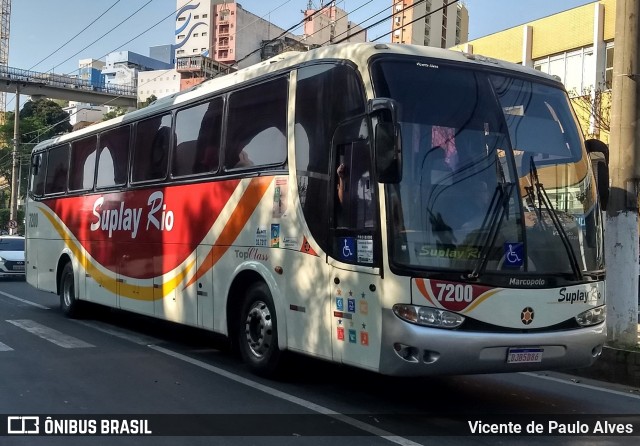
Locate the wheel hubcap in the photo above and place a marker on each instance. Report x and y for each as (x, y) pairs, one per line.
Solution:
(259, 329)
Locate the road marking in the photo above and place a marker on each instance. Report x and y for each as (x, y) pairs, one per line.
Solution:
(5, 348)
(586, 386)
(120, 333)
(49, 334)
(24, 301)
(292, 399)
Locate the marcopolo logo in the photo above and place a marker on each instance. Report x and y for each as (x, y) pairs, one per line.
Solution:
(515, 281)
(591, 296)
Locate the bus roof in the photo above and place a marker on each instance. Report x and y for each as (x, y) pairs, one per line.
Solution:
(360, 53)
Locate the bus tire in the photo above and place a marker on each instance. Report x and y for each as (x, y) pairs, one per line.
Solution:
(257, 333)
(69, 305)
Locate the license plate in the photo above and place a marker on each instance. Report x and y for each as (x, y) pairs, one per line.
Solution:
(524, 355)
(18, 267)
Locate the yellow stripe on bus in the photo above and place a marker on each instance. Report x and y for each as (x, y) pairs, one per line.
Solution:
(136, 292)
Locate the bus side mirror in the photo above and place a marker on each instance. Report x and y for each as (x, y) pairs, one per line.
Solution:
(387, 140)
(599, 155)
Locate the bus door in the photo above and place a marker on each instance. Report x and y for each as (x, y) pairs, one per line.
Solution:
(354, 250)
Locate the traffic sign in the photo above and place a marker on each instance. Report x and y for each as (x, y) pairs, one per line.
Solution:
(12, 224)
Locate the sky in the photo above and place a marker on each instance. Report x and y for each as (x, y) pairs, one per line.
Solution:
(39, 28)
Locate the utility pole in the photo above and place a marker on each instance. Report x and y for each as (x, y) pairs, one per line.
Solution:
(621, 229)
(14, 172)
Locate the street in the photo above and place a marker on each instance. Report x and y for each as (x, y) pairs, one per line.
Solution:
(112, 362)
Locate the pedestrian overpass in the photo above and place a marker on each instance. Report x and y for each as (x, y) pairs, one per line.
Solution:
(58, 86)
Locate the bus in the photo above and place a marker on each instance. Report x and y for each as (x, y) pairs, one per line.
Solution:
(405, 210)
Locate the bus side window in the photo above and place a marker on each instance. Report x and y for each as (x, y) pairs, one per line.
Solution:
(113, 157)
(57, 170)
(151, 152)
(197, 145)
(38, 173)
(83, 163)
(257, 125)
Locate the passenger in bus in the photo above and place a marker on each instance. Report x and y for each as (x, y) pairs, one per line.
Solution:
(243, 160)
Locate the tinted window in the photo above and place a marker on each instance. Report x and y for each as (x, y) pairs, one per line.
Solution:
(83, 163)
(113, 158)
(256, 129)
(326, 96)
(57, 170)
(38, 173)
(151, 153)
(11, 244)
(197, 146)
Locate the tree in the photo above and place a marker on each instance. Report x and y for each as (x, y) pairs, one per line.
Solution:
(593, 108)
(114, 113)
(150, 100)
(39, 120)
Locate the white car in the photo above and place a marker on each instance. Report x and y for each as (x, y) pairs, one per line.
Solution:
(12, 256)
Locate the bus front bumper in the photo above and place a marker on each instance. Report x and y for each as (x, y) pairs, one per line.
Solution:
(412, 350)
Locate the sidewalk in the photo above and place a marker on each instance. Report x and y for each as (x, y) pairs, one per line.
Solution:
(615, 365)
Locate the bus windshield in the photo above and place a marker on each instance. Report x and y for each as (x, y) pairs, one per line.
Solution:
(495, 177)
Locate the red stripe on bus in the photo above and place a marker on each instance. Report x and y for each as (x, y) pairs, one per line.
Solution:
(237, 222)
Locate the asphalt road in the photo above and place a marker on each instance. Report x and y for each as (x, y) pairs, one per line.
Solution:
(115, 364)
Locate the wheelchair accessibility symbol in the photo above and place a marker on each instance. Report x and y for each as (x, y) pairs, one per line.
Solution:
(514, 254)
(347, 248)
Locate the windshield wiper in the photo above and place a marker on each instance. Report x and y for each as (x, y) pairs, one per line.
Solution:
(543, 199)
(493, 220)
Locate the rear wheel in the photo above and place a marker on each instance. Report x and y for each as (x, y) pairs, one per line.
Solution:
(69, 305)
(257, 332)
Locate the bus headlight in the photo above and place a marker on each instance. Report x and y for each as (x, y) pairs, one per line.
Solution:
(592, 316)
(427, 316)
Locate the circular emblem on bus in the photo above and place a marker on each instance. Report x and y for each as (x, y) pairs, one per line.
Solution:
(527, 316)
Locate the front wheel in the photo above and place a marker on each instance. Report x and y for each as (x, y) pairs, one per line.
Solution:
(258, 331)
(69, 305)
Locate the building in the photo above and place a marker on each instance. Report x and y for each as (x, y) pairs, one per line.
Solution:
(429, 23)
(82, 114)
(90, 70)
(576, 45)
(122, 67)
(222, 31)
(158, 83)
(330, 24)
(163, 53)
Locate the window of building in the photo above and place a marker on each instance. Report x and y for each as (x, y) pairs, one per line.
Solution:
(196, 17)
(195, 34)
(83, 163)
(197, 146)
(608, 70)
(574, 69)
(181, 36)
(151, 154)
(113, 157)
(204, 16)
(180, 51)
(204, 34)
(181, 19)
(57, 171)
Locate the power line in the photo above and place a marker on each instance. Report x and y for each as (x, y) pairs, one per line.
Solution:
(105, 34)
(83, 30)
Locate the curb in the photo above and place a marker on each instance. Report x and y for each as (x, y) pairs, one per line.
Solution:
(614, 365)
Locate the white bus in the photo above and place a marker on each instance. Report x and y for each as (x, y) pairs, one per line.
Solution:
(406, 210)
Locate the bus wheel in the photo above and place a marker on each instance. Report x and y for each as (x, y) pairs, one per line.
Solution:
(69, 305)
(257, 331)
